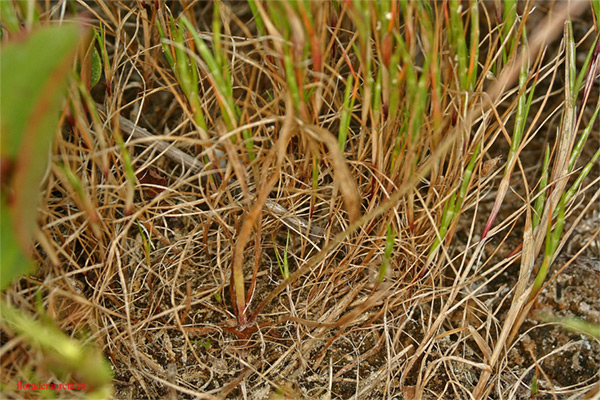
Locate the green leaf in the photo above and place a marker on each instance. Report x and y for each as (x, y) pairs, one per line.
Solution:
(12, 260)
(96, 68)
(33, 78)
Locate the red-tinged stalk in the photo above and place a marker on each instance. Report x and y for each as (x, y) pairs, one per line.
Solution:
(474, 52)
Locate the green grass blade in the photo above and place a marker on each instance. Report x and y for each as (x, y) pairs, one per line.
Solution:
(458, 42)
(164, 43)
(9, 17)
(222, 86)
(260, 25)
(448, 215)
(593, 53)
(582, 139)
(346, 114)
(541, 199)
(466, 179)
(387, 254)
(508, 21)
(582, 175)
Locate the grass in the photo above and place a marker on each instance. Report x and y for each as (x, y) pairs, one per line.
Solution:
(409, 174)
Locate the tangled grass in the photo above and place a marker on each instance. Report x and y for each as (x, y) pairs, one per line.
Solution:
(318, 199)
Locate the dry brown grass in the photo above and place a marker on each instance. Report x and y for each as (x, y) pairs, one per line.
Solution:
(164, 310)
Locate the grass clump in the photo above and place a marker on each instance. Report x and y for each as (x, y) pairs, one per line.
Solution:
(396, 168)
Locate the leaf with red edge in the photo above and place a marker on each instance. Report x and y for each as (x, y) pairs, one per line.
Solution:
(33, 78)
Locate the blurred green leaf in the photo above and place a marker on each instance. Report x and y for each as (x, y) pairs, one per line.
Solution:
(67, 357)
(14, 263)
(575, 324)
(28, 84)
(33, 77)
